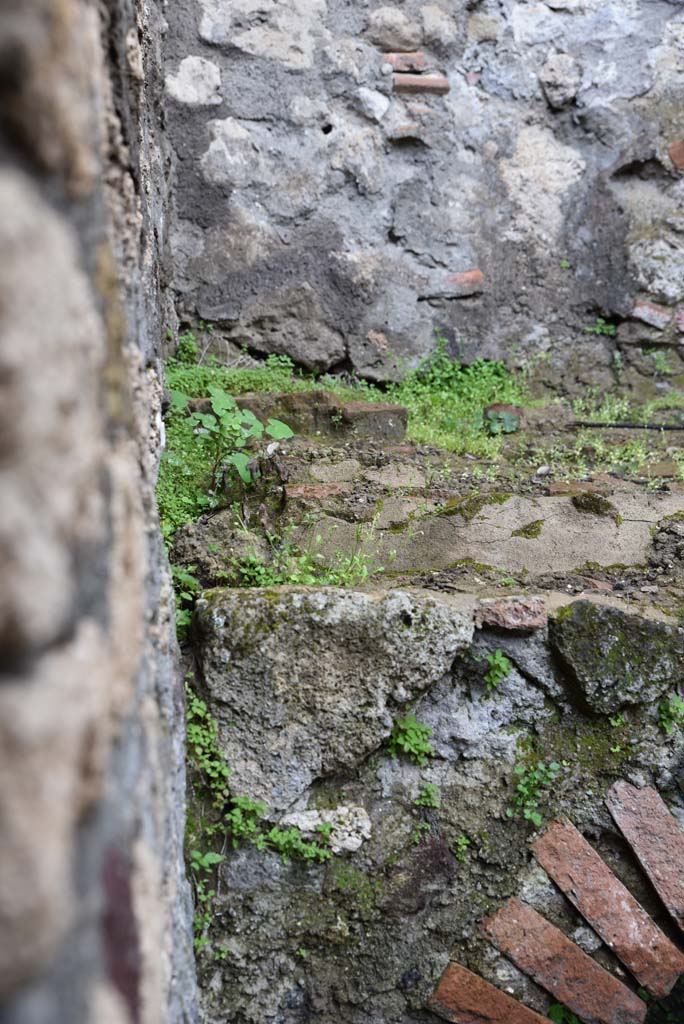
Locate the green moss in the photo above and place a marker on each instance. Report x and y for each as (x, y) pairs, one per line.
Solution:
(471, 505)
(530, 531)
(597, 505)
(360, 892)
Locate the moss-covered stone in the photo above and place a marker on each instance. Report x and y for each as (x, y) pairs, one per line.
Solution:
(530, 531)
(472, 505)
(596, 505)
(614, 658)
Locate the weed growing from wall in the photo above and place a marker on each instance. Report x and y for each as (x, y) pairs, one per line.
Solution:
(219, 818)
(531, 782)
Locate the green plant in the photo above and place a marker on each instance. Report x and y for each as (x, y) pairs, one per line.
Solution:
(565, 265)
(531, 781)
(601, 326)
(671, 714)
(661, 363)
(203, 749)
(499, 668)
(428, 796)
(205, 861)
(461, 847)
(411, 738)
(187, 350)
(445, 400)
(419, 831)
(501, 421)
(186, 587)
(229, 818)
(227, 429)
(560, 1014)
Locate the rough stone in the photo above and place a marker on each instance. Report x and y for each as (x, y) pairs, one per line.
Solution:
(196, 83)
(617, 659)
(560, 78)
(288, 35)
(391, 29)
(95, 912)
(291, 248)
(303, 683)
(649, 313)
(351, 826)
(554, 962)
(609, 908)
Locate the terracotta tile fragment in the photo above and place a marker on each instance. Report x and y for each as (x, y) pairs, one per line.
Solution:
(421, 83)
(464, 998)
(609, 907)
(403, 62)
(558, 965)
(652, 832)
(676, 152)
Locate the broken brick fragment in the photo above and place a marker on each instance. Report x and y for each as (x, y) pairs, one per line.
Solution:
(407, 62)
(676, 154)
(463, 998)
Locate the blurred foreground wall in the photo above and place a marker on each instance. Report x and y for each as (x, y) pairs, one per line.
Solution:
(94, 915)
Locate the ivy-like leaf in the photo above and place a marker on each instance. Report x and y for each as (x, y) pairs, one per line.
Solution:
(278, 430)
(221, 401)
(241, 462)
(179, 401)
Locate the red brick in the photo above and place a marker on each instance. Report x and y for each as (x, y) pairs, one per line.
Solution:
(649, 313)
(470, 281)
(609, 907)
(558, 965)
(463, 998)
(656, 839)
(421, 83)
(416, 61)
(676, 152)
(512, 613)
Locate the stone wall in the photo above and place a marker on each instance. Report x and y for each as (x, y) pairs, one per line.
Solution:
(354, 176)
(95, 923)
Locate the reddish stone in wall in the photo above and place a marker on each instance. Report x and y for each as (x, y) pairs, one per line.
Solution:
(403, 62)
(470, 281)
(651, 314)
(512, 613)
(676, 154)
